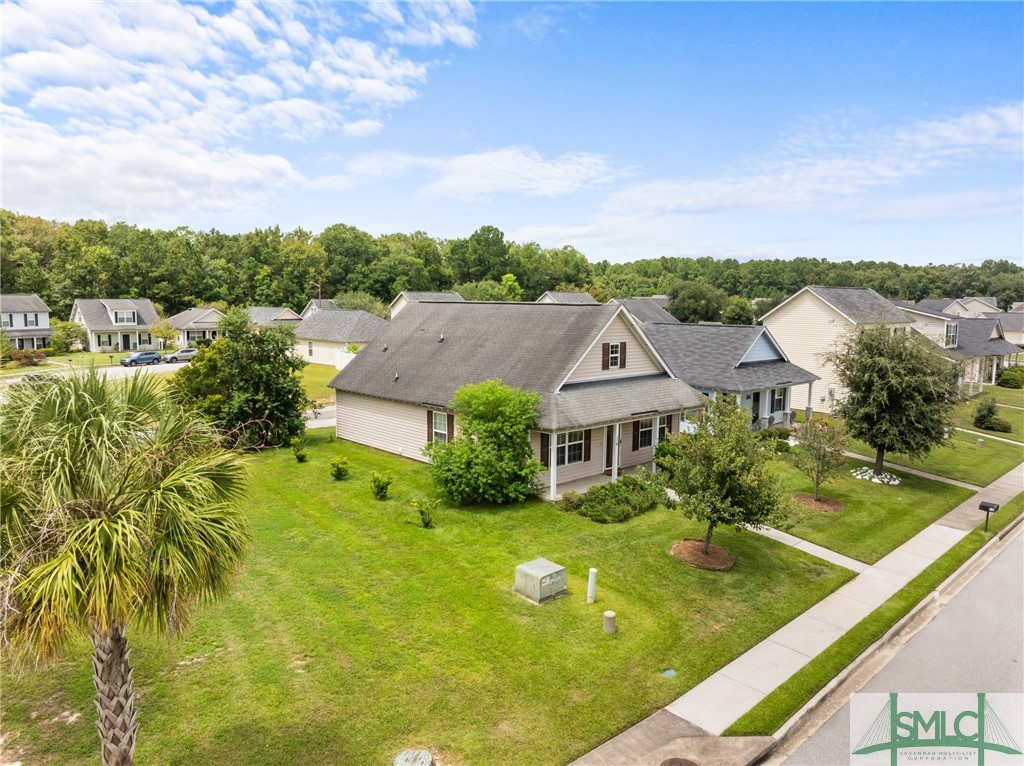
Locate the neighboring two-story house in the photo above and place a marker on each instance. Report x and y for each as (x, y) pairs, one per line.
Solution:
(607, 395)
(25, 320)
(195, 324)
(268, 316)
(576, 297)
(810, 323)
(970, 307)
(116, 324)
(315, 305)
(334, 336)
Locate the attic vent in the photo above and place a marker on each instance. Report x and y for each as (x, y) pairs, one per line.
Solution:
(385, 347)
(441, 339)
(396, 376)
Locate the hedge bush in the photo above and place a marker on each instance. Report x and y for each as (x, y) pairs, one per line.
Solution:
(616, 501)
(985, 418)
(1011, 377)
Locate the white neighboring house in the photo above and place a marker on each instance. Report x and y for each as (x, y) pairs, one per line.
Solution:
(810, 323)
(116, 324)
(334, 336)
(193, 324)
(1012, 323)
(971, 307)
(25, 320)
(578, 297)
(315, 305)
(406, 297)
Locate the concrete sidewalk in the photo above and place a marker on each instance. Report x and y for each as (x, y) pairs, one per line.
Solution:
(722, 698)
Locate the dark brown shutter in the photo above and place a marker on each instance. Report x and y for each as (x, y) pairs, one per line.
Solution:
(668, 424)
(604, 355)
(636, 435)
(451, 427)
(622, 355)
(586, 446)
(430, 426)
(545, 446)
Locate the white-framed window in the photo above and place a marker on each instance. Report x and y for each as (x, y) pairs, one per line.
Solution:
(569, 448)
(31, 320)
(646, 427)
(6, 320)
(104, 340)
(663, 432)
(124, 316)
(440, 426)
(145, 339)
(951, 331)
(778, 399)
(309, 350)
(614, 355)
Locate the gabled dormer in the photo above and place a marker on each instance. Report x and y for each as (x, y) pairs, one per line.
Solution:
(620, 350)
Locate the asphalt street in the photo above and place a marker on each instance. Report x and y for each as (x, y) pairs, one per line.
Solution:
(113, 373)
(975, 644)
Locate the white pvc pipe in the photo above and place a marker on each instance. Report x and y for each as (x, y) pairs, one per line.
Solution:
(592, 586)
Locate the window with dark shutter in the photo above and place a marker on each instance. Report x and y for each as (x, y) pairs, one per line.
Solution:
(604, 355)
(622, 355)
(451, 427)
(636, 435)
(430, 426)
(586, 446)
(545, 449)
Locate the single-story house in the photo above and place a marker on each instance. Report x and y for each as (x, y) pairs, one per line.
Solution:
(742, 360)
(334, 336)
(315, 305)
(576, 297)
(809, 324)
(607, 395)
(646, 310)
(981, 346)
(406, 297)
(962, 307)
(265, 316)
(195, 324)
(25, 320)
(117, 324)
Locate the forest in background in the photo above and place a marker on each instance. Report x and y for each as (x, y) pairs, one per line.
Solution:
(180, 268)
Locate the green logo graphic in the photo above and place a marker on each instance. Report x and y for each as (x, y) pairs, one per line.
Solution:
(975, 729)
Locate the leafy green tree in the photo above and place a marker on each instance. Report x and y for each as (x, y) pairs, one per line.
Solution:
(165, 331)
(820, 454)
(361, 301)
(5, 347)
(900, 391)
(511, 288)
(248, 382)
(487, 290)
(738, 311)
(349, 251)
(720, 471)
(490, 459)
(66, 335)
(119, 510)
(696, 302)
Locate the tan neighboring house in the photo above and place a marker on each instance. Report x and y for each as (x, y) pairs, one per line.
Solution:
(406, 297)
(267, 316)
(1012, 323)
(195, 324)
(334, 337)
(25, 321)
(1016, 308)
(315, 305)
(117, 324)
(961, 307)
(646, 310)
(607, 396)
(810, 323)
(575, 297)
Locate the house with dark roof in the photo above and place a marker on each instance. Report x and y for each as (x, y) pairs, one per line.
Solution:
(938, 326)
(577, 297)
(406, 297)
(315, 305)
(963, 307)
(25, 320)
(117, 324)
(1017, 307)
(646, 310)
(742, 360)
(1012, 323)
(809, 323)
(335, 336)
(607, 396)
(195, 324)
(266, 316)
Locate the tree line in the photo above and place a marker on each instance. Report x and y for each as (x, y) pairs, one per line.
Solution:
(181, 268)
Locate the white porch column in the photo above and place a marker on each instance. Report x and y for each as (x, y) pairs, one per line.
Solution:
(810, 406)
(553, 465)
(994, 365)
(616, 439)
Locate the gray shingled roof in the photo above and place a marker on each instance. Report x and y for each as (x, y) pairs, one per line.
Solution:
(991, 301)
(861, 304)
(267, 315)
(923, 310)
(708, 357)
(646, 310)
(614, 401)
(431, 296)
(190, 318)
(19, 303)
(1017, 307)
(974, 338)
(532, 346)
(340, 326)
(97, 316)
(569, 297)
(1009, 320)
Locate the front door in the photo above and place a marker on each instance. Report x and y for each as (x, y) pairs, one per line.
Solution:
(609, 445)
(126, 342)
(755, 406)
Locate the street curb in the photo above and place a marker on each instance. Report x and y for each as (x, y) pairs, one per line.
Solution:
(930, 600)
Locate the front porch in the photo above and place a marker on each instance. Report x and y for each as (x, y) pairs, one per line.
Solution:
(582, 485)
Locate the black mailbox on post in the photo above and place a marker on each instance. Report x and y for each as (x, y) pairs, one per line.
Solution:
(988, 508)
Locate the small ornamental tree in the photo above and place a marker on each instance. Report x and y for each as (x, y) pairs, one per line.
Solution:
(67, 335)
(720, 471)
(821, 452)
(901, 391)
(490, 460)
(165, 331)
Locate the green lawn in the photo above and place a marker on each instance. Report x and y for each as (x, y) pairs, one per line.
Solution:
(81, 359)
(962, 459)
(1002, 395)
(353, 633)
(964, 417)
(315, 378)
(875, 518)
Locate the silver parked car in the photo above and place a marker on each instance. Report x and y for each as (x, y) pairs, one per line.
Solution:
(181, 355)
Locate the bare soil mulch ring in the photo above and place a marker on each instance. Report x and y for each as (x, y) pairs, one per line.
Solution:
(824, 504)
(691, 550)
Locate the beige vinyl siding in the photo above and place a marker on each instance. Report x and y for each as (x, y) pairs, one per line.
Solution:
(805, 328)
(333, 353)
(642, 455)
(638, 360)
(389, 426)
(933, 328)
(592, 467)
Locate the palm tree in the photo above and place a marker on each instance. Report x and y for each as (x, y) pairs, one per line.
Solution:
(118, 509)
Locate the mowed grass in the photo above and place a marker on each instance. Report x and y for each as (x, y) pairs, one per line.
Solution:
(875, 518)
(965, 411)
(1012, 396)
(354, 633)
(315, 378)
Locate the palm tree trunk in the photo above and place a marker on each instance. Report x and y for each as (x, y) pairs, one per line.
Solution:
(707, 537)
(115, 697)
(879, 461)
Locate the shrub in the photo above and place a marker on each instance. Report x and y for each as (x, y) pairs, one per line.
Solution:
(27, 357)
(775, 432)
(616, 501)
(47, 352)
(426, 509)
(985, 418)
(379, 485)
(1012, 377)
(782, 446)
(299, 448)
(339, 467)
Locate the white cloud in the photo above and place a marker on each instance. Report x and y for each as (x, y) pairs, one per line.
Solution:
(427, 23)
(943, 207)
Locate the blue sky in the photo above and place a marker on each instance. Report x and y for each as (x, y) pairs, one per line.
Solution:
(883, 131)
